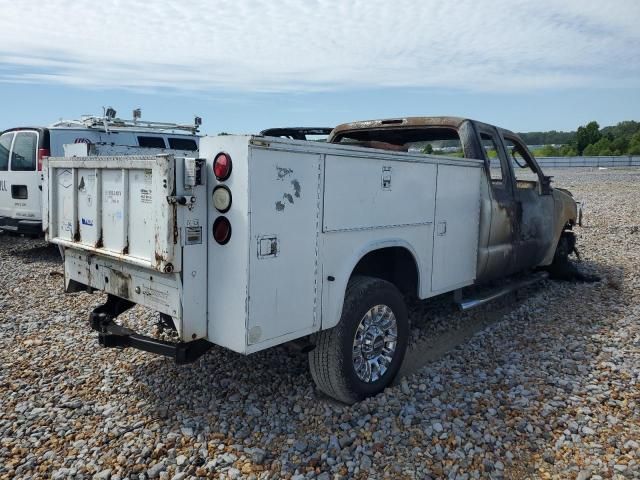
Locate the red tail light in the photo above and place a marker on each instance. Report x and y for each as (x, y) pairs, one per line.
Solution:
(222, 230)
(222, 166)
(42, 152)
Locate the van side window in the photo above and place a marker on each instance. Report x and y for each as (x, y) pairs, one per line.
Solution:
(183, 144)
(151, 142)
(23, 155)
(5, 146)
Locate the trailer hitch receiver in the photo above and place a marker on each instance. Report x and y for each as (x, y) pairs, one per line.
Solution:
(112, 335)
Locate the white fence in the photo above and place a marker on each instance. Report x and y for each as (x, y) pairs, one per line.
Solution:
(608, 161)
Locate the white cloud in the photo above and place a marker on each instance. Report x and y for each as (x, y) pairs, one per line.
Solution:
(294, 45)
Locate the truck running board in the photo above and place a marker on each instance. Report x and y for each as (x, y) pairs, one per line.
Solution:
(112, 335)
(469, 303)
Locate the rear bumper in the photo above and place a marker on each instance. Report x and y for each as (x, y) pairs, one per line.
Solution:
(112, 335)
(16, 225)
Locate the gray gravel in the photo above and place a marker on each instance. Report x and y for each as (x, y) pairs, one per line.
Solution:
(545, 384)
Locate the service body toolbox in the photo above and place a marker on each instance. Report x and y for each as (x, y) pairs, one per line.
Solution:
(265, 240)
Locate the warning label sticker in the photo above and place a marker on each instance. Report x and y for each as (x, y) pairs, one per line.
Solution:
(193, 236)
(145, 195)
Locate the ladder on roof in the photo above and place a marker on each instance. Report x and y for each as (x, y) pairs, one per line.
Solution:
(108, 122)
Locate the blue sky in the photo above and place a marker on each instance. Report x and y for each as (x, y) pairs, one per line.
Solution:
(244, 65)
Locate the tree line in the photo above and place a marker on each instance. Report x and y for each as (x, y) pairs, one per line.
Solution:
(588, 140)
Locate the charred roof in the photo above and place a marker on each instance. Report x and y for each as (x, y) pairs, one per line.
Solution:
(402, 129)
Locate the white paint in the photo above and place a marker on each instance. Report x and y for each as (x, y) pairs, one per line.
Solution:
(455, 239)
(301, 212)
(62, 142)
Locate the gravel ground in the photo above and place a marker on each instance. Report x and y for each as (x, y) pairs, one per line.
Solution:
(545, 384)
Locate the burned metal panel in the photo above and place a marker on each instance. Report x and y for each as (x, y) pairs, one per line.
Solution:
(565, 214)
(504, 217)
(295, 133)
(395, 123)
(536, 226)
(484, 230)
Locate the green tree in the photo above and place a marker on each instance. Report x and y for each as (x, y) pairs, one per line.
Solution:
(547, 151)
(590, 151)
(568, 151)
(634, 145)
(428, 149)
(601, 147)
(587, 135)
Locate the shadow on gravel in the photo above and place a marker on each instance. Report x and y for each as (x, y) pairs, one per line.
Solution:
(30, 250)
(554, 346)
(223, 376)
(448, 327)
(43, 253)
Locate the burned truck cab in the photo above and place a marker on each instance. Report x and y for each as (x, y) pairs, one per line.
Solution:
(522, 218)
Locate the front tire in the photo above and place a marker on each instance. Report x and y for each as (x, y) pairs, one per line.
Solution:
(561, 268)
(361, 355)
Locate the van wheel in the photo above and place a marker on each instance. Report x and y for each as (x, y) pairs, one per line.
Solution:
(361, 355)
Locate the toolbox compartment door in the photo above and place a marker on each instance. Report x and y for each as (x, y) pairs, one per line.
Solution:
(283, 287)
(116, 207)
(455, 236)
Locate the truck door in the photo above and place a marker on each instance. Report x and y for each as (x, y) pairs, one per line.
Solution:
(534, 205)
(503, 229)
(21, 195)
(5, 191)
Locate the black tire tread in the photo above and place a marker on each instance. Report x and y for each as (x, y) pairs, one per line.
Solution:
(326, 360)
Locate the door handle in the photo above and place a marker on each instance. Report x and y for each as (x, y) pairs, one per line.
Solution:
(442, 228)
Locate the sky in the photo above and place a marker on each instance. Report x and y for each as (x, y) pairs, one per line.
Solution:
(246, 65)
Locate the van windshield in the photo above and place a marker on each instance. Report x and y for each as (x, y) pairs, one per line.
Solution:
(5, 145)
(23, 155)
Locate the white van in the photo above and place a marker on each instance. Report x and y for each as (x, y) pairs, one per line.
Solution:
(22, 151)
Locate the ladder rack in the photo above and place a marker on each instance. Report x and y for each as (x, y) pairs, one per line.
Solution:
(107, 123)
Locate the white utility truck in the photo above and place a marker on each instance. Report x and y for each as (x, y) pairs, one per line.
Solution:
(265, 240)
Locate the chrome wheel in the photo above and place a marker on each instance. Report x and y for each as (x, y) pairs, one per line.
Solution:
(374, 343)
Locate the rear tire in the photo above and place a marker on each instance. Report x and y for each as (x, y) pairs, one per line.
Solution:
(374, 313)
